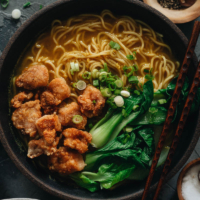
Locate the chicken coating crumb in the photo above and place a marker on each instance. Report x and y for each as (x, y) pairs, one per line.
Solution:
(57, 91)
(66, 113)
(34, 77)
(86, 101)
(77, 139)
(39, 147)
(47, 126)
(18, 99)
(66, 162)
(26, 115)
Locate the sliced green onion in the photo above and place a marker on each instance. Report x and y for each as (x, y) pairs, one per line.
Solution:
(74, 85)
(153, 110)
(133, 80)
(117, 92)
(103, 76)
(125, 93)
(134, 53)
(26, 5)
(74, 67)
(151, 71)
(135, 68)
(94, 101)
(137, 92)
(112, 86)
(119, 83)
(105, 67)
(41, 6)
(96, 83)
(4, 3)
(130, 57)
(95, 73)
(102, 70)
(106, 92)
(77, 119)
(119, 101)
(162, 101)
(81, 85)
(86, 75)
(135, 107)
(114, 45)
(128, 129)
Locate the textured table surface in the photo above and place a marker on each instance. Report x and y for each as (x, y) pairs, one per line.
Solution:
(12, 183)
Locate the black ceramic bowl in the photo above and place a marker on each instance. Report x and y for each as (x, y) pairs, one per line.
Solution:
(62, 10)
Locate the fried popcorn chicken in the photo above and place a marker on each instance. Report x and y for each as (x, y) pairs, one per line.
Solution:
(77, 139)
(26, 115)
(47, 126)
(66, 113)
(34, 77)
(91, 102)
(18, 99)
(64, 161)
(57, 91)
(39, 147)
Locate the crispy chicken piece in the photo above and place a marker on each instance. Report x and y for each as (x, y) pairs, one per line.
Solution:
(57, 91)
(66, 113)
(47, 126)
(65, 161)
(39, 147)
(26, 115)
(86, 101)
(77, 139)
(18, 99)
(34, 77)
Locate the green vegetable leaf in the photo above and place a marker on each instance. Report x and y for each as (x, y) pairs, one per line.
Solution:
(149, 77)
(84, 182)
(114, 45)
(146, 70)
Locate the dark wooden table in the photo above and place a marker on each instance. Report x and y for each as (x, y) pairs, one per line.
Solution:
(12, 183)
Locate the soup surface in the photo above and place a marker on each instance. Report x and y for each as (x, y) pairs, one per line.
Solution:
(91, 96)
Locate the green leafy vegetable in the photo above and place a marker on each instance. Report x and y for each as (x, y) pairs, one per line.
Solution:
(149, 77)
(146, 70)
(114, 45)
(105, 67)
(84, 182)
(41, 6)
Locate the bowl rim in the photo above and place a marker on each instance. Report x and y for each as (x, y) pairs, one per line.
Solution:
(182, 174)
(42, 184)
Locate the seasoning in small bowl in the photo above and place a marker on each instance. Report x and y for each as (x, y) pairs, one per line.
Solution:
(188, 185)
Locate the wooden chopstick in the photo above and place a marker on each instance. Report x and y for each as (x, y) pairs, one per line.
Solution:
(179, 130)
(179, 84)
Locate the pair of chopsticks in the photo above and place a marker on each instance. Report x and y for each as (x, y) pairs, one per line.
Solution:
(191, 95)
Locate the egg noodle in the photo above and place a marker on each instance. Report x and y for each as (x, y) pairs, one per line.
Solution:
(85, 39)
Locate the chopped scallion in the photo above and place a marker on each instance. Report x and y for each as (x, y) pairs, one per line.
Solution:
(117, 92)
(26, 5)
(114, 45)
(93, 101)
(77, 119)
(153, 110)
(41, 6)
(105, 67)
(106, 92)
(130, 57)
(4, 3)
(81, 85)
(128, 129)
(112, 86)
(90, 125)
(86, 75)
(134, 53)
(119, 83)
(133, 80)
(162, 101)
(74, 85)
(135, 107)
(96, 83)
(95, 73)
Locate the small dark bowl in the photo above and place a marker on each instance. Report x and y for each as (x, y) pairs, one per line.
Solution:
(28, 31)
